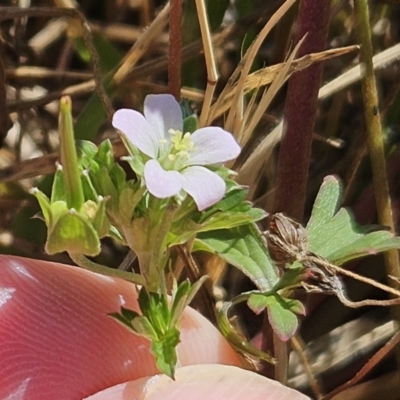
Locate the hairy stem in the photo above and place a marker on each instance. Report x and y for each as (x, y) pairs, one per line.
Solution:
(81, 261)
(300, 111)
(175, 49)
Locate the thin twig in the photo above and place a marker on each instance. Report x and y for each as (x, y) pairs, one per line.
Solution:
(15, 12)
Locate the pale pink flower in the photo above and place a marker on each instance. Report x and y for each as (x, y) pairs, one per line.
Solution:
(177, 160)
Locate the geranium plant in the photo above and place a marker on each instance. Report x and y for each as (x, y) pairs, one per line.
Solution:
(183, 195)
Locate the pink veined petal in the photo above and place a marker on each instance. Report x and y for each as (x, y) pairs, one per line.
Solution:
(161, 183)
(163, 113)
(139, 132)
(212, 145)
(206, 187)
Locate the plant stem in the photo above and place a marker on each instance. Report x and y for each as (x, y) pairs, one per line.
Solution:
(175, 48)
(375, 142)
(81, 261)
(153, 253)
(300, 111)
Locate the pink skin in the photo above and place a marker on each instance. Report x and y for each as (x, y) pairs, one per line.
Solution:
(57, 342)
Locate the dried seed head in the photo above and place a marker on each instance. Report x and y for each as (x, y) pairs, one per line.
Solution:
(286, 239)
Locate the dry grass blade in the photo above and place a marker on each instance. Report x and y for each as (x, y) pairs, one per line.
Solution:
(353, 75)
(212, 74)
(267, 75)
(249, 172)
(242, 70)
(39, 73)
(251, 120)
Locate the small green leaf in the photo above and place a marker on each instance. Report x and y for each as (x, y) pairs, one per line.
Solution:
(291, 277)
(244, 248)
(182, 297)
(325, 206)
(129, 198)
(157, 324)
(143, 327)
(336, 236)
(164, 350)
(44, 203)
(235, 195)
(257, 302)
(190, 123)
(58, 188)
(72, 232)
(86, 152)
(100, 221)
(281, 315)
(125, 317)
(372, 243)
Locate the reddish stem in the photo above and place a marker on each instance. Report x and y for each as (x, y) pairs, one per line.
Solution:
(300, 112)
(175, 48)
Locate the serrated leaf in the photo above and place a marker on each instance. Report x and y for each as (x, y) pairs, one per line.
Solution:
(335, 235)
(244, 248)
(372, 243)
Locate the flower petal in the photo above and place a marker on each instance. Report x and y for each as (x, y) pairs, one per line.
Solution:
(212, 145)
(139, 132)
(163, 113)
(206, 187)
(161, 183)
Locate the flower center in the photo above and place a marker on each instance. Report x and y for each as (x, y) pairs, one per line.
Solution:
(175, 156)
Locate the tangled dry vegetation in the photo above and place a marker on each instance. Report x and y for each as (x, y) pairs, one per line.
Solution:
(106, 55)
